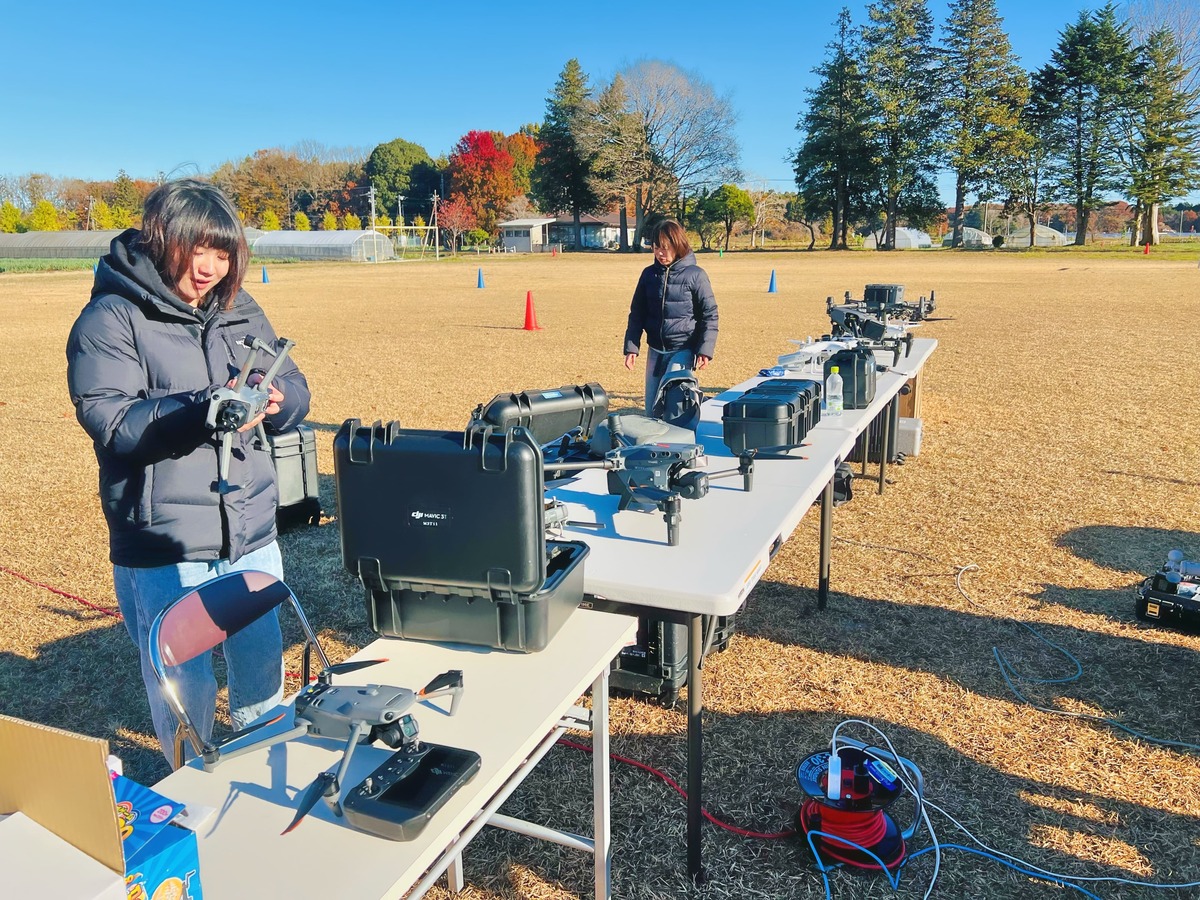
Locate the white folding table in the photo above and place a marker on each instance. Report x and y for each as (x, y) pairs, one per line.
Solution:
(726, 539)
(514, 707)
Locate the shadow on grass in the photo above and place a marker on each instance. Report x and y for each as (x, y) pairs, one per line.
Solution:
(1128, 548)
(1121, 678)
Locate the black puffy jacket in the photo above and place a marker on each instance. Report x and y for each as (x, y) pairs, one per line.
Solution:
(675, 307)
(141, 367)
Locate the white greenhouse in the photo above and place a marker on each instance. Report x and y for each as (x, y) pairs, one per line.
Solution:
(906, 239)
(973, 238)
(356, 246)
(56, 244)
(1044, 236)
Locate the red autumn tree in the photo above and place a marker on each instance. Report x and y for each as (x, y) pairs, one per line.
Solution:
(455, 216)
(481, 170)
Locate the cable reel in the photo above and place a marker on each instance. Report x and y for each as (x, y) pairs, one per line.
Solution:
(848, 823)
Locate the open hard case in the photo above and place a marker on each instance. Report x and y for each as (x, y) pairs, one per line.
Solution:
(446, 531)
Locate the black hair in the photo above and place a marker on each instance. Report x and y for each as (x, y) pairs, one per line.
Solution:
(183, 215)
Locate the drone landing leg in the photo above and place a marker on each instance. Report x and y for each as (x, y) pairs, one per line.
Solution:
(334, 789)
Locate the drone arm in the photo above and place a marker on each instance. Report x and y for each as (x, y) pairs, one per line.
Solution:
(297, 731)
(447, 683)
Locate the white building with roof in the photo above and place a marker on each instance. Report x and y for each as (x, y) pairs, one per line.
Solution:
(525, 235)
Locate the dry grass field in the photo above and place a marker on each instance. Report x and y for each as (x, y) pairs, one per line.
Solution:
(1058, 458)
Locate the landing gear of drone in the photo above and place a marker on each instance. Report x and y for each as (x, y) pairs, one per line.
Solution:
(847, 823)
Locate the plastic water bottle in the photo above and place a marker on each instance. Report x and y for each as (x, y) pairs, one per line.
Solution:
(833, 393)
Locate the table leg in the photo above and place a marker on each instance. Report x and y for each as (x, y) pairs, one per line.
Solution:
(601, 790)
(695, 773)
(455, 882)
(826, 545)
(866, 446)
(883, 445)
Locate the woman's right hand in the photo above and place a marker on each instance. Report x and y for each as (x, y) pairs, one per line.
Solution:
(630, 359)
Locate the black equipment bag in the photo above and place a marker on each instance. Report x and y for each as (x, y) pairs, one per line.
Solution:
(548, 414)
(678, 399)
(448, 535)
(776, 413)
(859, 370)
(294, 455)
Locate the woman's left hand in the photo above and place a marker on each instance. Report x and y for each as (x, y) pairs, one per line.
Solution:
(701, 361)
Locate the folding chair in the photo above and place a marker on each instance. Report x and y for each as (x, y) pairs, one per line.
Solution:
(203, 618)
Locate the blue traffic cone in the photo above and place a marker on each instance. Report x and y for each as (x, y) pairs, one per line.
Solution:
(266, 280)
(479, 281)
(771, 289)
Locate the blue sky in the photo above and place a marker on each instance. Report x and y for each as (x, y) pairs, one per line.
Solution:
(157, 87)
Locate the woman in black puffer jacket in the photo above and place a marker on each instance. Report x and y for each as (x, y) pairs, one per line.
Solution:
(164, 329)
(673, 304)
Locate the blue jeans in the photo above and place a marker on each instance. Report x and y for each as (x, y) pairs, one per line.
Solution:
(658, 364)
(253, 656)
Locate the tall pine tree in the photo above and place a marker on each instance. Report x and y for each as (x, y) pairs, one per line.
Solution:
(904, 88)
(985, 92)
(1088, 84)
(1159, 149)
(834, 159)
(561, 178)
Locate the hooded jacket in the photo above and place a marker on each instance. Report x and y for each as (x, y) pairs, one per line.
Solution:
(141, 367)
(675, 307)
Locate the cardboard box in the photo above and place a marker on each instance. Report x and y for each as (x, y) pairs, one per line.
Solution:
(59, 784)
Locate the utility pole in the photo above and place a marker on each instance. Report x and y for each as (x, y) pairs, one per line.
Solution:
(88, 225)
(371, 194)
(400, 198)
(437, 243)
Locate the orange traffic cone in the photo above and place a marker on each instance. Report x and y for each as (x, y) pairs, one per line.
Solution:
(1146, 252)
(530, 316)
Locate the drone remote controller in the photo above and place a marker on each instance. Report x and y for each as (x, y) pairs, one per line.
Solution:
(398, 799)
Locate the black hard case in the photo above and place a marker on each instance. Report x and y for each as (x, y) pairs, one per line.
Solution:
(656, 664)
(447, 533)
(859, 370)
(1156, 600)
(294, 455)
(547, 414)
(775, 413)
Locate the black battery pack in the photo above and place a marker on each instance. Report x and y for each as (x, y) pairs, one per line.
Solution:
(859, 372)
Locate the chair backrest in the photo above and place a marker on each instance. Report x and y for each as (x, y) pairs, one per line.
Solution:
(204, 617)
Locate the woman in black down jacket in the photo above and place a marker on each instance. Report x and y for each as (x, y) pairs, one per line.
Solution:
(673, 304)
(162, 331)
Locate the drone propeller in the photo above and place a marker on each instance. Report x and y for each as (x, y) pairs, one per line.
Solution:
(342, 668)
(325, 785)
(451, 679)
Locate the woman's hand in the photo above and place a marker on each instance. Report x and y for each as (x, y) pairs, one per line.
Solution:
(274, 399)
(630, 359)
(701, 361)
